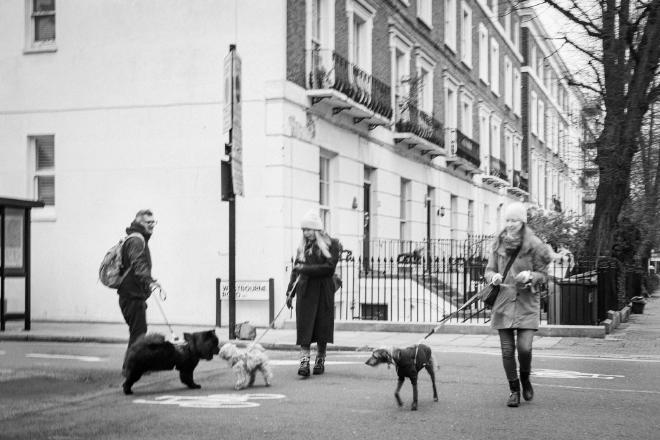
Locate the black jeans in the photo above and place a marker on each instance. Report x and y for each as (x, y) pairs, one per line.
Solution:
(135, 315)
(524, 346)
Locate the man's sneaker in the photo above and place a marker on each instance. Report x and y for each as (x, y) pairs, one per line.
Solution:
(319, 366)
(303, 370)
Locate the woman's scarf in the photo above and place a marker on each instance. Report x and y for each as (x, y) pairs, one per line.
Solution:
(512, 241)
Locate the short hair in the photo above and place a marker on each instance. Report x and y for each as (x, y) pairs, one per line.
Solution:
(143, 213)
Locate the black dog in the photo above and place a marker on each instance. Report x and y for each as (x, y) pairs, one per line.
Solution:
(408, 362)
(153, 353)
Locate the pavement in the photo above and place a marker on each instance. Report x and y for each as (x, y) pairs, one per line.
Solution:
(639, 337)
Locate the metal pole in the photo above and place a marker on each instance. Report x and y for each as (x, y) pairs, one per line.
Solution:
(232, 219)
(271, 302)
(218, 304)
(28, 257)
(2, 268)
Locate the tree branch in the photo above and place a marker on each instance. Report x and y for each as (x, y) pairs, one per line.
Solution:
(590, 28)
(573, 82)
(581, 49)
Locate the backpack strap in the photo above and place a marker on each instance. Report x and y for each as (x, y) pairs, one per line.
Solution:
(132, 234)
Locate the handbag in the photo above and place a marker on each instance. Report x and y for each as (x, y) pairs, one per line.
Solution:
(336, 282)
(489, 293)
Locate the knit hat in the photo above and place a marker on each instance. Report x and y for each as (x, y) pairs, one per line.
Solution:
(516, 211)
(312, 220)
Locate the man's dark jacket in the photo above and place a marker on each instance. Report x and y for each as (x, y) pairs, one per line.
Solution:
(136, 257)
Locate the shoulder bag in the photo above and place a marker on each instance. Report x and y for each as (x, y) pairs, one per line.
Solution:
(489, 293)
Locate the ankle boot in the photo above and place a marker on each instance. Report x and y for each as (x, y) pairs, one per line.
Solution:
(303, 370)
(319, 366)
(527, 390)
(514, 397)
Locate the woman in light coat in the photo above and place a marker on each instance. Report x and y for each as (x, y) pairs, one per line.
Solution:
(311, 283)
(515, 313)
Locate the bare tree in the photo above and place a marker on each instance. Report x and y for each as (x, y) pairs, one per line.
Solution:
(621, 42)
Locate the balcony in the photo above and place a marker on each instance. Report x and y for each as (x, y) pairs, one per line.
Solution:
(495, 174)
(347, 89)
(463, 152)
(417, 129)
(520, 184)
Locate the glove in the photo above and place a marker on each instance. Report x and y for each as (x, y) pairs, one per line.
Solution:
(496, 280)
(523, 277)
(289, 301)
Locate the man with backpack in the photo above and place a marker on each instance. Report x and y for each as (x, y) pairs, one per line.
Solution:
(137, 283)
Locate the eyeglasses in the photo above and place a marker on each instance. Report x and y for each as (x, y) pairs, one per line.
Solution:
(151, 222)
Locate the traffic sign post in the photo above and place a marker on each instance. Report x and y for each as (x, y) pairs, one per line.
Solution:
(232, 169)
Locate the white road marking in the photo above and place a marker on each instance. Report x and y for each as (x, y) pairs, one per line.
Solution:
(212, 401)
(616, 390)
(69, 357)
(566, 374)
(296, 362)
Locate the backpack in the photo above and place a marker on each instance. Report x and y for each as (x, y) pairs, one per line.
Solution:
(110, 271)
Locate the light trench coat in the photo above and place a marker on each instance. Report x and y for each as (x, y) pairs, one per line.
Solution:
(518, 305)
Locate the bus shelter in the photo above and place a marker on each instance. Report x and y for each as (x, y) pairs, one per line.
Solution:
(15, 253)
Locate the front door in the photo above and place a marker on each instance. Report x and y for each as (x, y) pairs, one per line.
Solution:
(366, 233)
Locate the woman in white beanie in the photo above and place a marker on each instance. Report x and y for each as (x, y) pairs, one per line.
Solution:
(315, 263)
(515, 313)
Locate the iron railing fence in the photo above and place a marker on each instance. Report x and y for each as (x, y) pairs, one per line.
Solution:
(415, 288)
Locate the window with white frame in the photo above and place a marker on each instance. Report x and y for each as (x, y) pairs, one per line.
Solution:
(494, 66)
(541, 176)
(483, 53)
(451, 101)
(495, 136)
(541, 120)
(466, 114)
(533, 116)
(360, 25)
(516, 34)
(400, 48)
(424, 11)
(425, 86)
(466, 34)
(484, 134)
(404, 209)
(470, 217)
(324, 190)
(508, 152)
(450, 24)
(43, 168)
(507, 21)
(320, 34)
(517, 153)
(40, 24)
(517, 89)
(532, 54)
(508, 82)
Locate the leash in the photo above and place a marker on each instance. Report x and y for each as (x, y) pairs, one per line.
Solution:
(272, 323)
(175, 338)
(441, 323)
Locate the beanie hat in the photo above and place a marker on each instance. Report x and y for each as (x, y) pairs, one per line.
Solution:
(311, 220)
(516, 211)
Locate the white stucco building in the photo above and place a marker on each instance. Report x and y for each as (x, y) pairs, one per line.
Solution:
(108, 107)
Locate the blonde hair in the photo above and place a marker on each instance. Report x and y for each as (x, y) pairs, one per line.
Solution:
(323, 241)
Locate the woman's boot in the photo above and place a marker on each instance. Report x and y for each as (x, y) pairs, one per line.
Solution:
(514, 397)
(527, 390)
(303, 370)
(319, 366)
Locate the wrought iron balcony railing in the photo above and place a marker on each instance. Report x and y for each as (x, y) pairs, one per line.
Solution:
(410, 119)
(330, 70)
(467, 149)
(519, 181)
(498, 168)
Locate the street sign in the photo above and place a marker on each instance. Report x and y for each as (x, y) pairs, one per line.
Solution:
(247, 290)
(232, 116)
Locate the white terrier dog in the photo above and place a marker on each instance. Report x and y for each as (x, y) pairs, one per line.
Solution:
(246, 363)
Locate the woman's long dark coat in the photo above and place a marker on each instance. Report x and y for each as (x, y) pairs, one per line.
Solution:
(315, 296)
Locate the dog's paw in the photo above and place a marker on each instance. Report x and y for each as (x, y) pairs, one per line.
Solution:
(435, 399)
(413, 407)
(127, 390)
